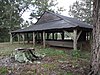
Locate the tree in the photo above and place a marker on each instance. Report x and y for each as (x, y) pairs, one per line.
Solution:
(82, 10)
(95, 70)
(40, 6)
(10, 16)
(8, 19)
(12, 11)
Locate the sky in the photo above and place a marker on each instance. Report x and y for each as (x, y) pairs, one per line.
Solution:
(61, 3)
(65, 4)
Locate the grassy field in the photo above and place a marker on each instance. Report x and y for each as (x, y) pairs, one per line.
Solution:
(7, 48)
(54, 61)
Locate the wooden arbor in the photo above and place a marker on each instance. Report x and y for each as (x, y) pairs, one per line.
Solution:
(18, 36)
(52, 23)
(75, 36)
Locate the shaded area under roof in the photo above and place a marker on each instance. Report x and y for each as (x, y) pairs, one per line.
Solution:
(51, 21)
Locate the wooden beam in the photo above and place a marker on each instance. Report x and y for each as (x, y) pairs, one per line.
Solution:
(44, 39)
(41, 36)
(23, 37)
(11, 38)
(62, 35)
(86, 36)
(90, 35)
(56, 35)
(33, 39)
(53, 35)
(79, 35)
(75, 39)
(28, 40)
(47, 35)
(36, 36)
(18, 36)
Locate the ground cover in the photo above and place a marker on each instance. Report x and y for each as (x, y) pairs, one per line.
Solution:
(58, 61)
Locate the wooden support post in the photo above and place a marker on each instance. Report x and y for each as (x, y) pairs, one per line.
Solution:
(33, 39)
(53, 36)
(47, 36)
(38, 36)
(28, 40)
(44, 39)
(86, 36)
(79, 35)
(62, 35)
(41, 36)
(18, 36)
(11, 38)
(90, 36)
(56, 36)
(75, 40)
(23, 38)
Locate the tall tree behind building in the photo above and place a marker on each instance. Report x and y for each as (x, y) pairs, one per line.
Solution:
(10, 16)
(41, 6)
(7, 10)
(82, 10)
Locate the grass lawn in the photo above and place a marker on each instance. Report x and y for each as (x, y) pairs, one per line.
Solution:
(56, 61)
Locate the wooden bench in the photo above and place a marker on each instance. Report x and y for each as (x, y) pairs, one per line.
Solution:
(60, 43)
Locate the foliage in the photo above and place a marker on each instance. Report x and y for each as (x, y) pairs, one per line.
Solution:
(49, 66)
(76, 53)
(52, 62)
(51, 52)
(69, 73)
(6, 49)
(3, 33)
(10, 18)
(3, 71)
(41, 6)
(82, 10)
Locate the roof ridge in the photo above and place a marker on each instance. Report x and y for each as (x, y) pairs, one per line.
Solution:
(61, 16)
(50, 21)
(64, 18)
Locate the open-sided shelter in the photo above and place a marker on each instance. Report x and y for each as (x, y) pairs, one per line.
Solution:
(57, 30)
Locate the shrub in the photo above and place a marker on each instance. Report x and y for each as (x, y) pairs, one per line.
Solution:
(3, 71)
(76, 53)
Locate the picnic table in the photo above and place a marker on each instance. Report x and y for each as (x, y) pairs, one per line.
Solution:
(25, 54)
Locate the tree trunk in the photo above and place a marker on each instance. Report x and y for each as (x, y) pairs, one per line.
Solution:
(95, 70)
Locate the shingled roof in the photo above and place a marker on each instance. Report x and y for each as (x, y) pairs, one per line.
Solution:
(51, 21)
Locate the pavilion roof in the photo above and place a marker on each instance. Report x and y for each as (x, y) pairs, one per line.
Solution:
(52, 21)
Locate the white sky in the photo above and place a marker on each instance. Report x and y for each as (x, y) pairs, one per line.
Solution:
(65, 4)
(61, 3)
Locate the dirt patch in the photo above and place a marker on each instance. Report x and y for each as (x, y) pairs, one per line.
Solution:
(47, 66)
